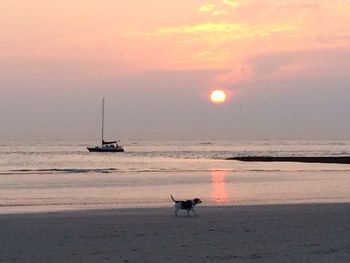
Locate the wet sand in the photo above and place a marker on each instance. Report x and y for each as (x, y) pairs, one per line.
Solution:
(276, 233)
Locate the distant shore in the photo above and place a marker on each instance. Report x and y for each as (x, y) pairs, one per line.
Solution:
(302, 159)
(271, 233)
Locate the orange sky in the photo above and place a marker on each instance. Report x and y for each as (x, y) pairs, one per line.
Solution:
(237, 44)
(157, 34)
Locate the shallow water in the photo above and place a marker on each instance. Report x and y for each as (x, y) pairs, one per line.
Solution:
(63, 175)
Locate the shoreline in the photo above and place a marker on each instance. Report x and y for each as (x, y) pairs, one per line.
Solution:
(267, 233)
(302, 159)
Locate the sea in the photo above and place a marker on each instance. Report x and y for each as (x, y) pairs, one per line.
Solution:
(64, 176)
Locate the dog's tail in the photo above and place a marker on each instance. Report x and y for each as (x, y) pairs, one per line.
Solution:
(172, 198)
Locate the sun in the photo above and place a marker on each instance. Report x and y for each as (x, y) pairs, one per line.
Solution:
(218, 96)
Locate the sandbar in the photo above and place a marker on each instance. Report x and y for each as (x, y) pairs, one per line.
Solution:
(301, 159)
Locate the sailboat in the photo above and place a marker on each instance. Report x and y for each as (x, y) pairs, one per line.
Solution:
(106, 146)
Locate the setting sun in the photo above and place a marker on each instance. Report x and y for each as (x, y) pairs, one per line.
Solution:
(218, 96)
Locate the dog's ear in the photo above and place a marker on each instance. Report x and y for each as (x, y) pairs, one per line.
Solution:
(197, 200)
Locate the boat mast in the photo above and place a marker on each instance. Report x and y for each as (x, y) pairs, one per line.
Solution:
(103, 116)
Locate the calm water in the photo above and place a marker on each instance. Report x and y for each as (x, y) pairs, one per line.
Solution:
(64, 176)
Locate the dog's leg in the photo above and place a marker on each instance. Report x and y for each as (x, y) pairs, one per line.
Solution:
(177, 207)
(188, 212)
(194, 211)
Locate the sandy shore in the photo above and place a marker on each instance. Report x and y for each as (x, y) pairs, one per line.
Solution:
(288, 233)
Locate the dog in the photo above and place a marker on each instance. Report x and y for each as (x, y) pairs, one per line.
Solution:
(186, 205)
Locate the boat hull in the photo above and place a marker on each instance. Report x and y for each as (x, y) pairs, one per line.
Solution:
(105, 149)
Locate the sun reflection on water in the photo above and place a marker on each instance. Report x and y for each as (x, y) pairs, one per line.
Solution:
(219, 193)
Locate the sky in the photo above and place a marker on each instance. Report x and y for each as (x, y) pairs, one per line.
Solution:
(283, 64)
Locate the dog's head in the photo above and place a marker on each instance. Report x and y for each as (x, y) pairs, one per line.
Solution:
(197, 201)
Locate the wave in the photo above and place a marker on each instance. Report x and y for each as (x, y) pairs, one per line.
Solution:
(160, 170)
(205, 143)
(63, 170)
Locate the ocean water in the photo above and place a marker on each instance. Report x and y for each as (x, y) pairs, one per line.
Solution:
(56, 176)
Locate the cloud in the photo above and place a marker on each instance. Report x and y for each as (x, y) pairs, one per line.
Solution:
(207, 8)
(208, 45)
(301, 63)
(232, 3)
(199, 28)
(323, 67)
(228, 30)
(212, 56)
(220, 9)
(220, 12)
(289, 5)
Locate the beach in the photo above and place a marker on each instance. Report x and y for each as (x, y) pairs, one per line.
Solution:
(265, 233)
(60, 203)
(113, 111)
